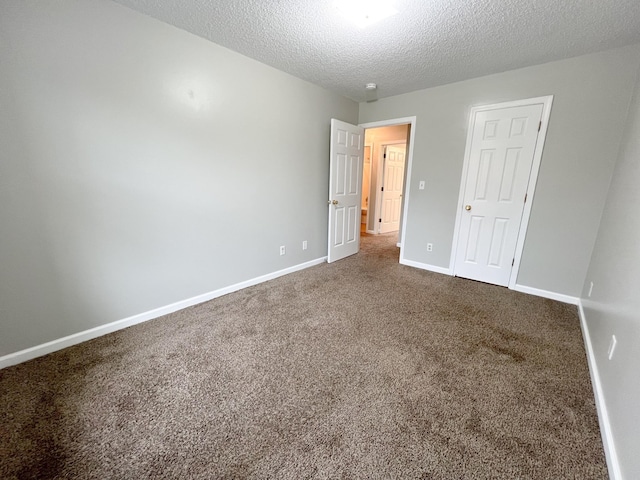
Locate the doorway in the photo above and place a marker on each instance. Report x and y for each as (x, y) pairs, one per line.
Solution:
(346, 176)
(384, 175)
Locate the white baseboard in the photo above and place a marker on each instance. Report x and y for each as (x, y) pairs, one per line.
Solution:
(425, 266)
(518, 288)
(560, 297)
(64, 342)
(603, 417)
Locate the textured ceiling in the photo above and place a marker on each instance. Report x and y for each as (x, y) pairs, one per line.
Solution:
(427, 43)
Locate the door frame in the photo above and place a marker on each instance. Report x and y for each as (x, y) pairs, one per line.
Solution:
(380, 179)
(411, 121)
(546, 102)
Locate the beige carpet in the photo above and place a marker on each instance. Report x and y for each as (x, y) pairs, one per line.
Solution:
(360, 369)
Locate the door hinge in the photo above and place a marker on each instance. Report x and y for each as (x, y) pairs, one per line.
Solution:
(540, 125)
(379, 220)
(384, 156)
(525, 197)
(513, 262)
(382, 189)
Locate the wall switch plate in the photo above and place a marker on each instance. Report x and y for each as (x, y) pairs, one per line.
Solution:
(429, 247)
(283, 250)
(421, 185)
(304, 244)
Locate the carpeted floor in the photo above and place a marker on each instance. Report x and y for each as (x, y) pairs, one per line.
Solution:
(359, 369)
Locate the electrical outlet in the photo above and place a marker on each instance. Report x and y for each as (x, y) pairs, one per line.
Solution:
(612, 346)
(283, 250)
(421, 185)
(590, 290)
(429, 247)
(304, 244)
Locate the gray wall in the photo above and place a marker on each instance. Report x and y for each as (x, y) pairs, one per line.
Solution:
(614, 306)
(591, 98)
(141, 165)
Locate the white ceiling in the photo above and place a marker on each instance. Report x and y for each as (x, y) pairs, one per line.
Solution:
(428, 43)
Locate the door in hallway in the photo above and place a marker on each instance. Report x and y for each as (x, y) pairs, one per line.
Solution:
(392, 183)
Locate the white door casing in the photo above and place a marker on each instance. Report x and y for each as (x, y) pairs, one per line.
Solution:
(504, 147)
(392, 183)
(412, 122)
(345, 189)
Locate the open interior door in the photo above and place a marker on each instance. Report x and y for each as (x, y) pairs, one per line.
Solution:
(345, 189)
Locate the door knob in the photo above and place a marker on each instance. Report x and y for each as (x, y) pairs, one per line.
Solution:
(335, 202)
(467, 208)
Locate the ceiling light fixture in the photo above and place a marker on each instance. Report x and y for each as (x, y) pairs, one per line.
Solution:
(365, 12)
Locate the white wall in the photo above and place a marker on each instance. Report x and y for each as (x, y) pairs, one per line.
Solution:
(614, 307)
(591, 98)
(141, 165)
